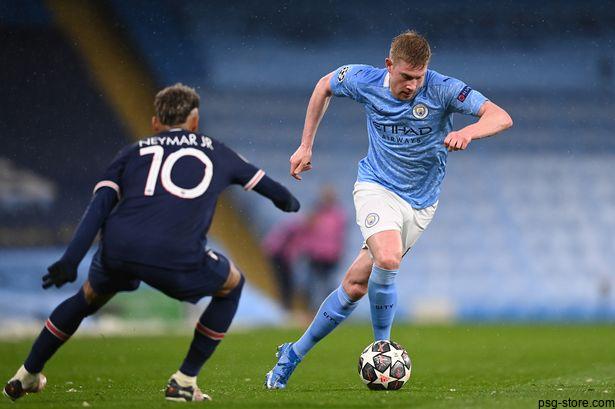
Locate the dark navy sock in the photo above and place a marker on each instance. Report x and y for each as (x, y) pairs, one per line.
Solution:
(210, 329)
(61, 324)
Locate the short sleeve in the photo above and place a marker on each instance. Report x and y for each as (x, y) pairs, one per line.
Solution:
(112, 178)
(241, 171)
(459, 97)
(346, 80)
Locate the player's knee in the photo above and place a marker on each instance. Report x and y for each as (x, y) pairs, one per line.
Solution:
(93, 299)
(239, 287)
(388, 260)
(233, 285)
(235, 292)
(88, 293)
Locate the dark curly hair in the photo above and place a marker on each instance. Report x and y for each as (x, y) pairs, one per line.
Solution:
(173, 104)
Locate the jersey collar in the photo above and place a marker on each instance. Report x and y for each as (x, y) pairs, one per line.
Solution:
(385, 83)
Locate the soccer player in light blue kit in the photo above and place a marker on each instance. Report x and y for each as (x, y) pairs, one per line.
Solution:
(409, 122)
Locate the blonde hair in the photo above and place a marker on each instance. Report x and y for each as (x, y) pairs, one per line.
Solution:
(411, 47)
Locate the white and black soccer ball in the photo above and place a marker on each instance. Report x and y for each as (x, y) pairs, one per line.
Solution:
(384, 365)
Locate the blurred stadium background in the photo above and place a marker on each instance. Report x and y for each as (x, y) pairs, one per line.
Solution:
(525, 229)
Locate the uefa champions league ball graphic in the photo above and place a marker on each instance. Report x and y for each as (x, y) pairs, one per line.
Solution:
(384, 365)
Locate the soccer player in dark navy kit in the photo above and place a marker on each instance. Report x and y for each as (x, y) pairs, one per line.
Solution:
(154, 207)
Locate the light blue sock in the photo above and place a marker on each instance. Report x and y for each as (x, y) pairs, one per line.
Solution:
(382, 294)
(333, 310)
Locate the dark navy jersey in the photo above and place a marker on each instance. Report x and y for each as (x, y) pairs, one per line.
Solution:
(168, 186)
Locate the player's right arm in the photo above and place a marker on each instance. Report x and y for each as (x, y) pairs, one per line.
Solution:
(301, 160)
(346, 81)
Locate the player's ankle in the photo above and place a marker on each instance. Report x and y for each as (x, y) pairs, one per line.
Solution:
(23, 373)
(27, 378)
(184, 380)
(294, 355)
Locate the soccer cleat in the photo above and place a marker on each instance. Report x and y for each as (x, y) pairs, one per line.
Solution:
(21, 385)
(288, 360)
(176, 393)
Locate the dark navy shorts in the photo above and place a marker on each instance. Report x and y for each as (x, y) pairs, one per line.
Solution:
(110, 276)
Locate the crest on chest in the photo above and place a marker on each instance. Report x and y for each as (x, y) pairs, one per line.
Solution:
(420, 111)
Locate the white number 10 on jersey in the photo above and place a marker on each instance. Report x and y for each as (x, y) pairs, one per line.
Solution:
(167, 168)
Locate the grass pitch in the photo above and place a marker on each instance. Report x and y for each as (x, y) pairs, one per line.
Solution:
(463, 366)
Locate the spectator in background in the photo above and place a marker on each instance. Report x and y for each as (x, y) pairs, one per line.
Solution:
(318, 239)
(283, 246)
(322, 244)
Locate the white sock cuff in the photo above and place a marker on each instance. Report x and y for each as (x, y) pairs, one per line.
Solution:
(22, 373)
(184, 380)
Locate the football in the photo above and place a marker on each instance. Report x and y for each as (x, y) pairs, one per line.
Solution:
(384, 365)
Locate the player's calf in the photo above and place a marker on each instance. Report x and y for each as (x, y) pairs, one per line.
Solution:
(355, 289)
(211, 329)
(383, 301)
(356, 278)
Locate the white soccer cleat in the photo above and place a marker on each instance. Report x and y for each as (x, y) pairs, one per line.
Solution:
(23, 383)
(176, 393)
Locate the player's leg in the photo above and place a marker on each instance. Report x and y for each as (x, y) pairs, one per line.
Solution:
(59, 327)
(380, 215)
(386, 250)
(213, 323)
(334, 309)
(104, 280)
(338, 305)
(210, 328)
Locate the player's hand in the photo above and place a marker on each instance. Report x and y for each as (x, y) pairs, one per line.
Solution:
(457, 141)
(59, 273)
(301, 161)
(288, 204)
(291, 206)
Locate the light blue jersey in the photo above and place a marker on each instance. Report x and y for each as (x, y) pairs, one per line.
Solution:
(406, 138)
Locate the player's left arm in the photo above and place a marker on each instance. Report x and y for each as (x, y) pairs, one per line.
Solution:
(106, 196)
(492, 120)
(65, 269)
